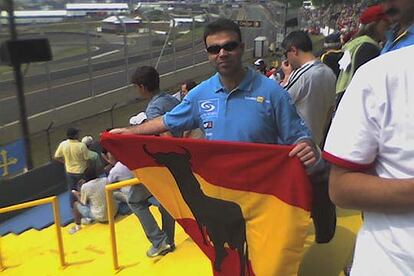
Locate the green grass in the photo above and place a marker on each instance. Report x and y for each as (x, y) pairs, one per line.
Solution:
(57, 54)
(69, 52)
(61, 27)
(5, 69)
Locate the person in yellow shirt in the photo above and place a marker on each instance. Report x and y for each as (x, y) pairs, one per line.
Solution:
(75, 155)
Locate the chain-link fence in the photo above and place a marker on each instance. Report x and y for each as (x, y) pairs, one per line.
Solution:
(87, 82)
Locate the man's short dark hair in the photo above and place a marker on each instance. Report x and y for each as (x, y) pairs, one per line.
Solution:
(72, 133)
(148, 77)
(222, 25)
(189, 84)
(298, 39)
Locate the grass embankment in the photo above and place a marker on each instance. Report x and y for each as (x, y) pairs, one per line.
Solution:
(59, 27)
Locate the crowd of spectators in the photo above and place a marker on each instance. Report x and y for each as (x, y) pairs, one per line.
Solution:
(341, 17)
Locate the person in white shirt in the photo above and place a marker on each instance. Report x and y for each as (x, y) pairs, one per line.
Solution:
(371, 147)
(91, 201)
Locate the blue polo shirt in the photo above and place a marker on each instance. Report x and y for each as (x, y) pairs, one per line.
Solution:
(159, 104)
(403, 40)
(257, 111)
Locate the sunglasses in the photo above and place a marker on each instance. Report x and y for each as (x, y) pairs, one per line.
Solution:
(229, 46)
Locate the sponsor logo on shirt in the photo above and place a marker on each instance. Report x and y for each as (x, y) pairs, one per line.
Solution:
(209, 108)
(208, 124)
(258, 99)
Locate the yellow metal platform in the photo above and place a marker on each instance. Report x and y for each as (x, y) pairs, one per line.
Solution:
(88, 251)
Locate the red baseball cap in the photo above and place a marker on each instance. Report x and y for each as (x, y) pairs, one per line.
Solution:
(372, 14)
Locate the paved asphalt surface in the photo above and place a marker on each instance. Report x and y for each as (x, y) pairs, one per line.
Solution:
(76, 86)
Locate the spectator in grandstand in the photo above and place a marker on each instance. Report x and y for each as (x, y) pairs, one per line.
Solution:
(370, 147)
(75, 155)
(185, 87)
(311, 85)
(332, 52)
(261, 66)
(90, 204)
(95, 146)
(401, 12)
(363, 48)
(94, 158)
(275, 74)
(138, 199)
(235, 92)
(147, 81)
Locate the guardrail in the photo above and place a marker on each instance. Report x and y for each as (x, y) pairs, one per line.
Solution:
(53, 200)
(111, 221)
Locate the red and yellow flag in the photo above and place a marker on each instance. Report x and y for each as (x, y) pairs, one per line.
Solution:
(246, 205)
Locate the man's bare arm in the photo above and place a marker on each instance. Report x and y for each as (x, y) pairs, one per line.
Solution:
(151, 127)
(358, 190)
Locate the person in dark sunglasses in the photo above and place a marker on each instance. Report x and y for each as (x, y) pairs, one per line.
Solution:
(215, 49)
(237, 103)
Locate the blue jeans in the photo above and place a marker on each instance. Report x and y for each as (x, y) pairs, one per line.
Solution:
(168, 222)
(84, 210)
(154, 234)
(72, 180)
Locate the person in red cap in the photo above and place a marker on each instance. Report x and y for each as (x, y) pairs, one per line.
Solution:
(363, 47)
(372, 14)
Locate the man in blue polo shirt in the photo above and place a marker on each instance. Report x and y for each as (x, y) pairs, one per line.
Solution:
(402, 34)
(235, 104)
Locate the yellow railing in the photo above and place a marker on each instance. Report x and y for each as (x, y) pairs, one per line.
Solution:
(56, 215)
(110, 204)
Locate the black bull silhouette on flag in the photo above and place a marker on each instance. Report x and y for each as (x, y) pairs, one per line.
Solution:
(220, 221)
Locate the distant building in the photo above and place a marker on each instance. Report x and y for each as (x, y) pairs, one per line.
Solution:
(30, 17)
(96, 9)
(187, 21)
(115, 24)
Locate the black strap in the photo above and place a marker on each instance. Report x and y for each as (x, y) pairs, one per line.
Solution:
(295, 78)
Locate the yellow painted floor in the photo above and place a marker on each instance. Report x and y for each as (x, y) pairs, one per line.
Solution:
(88, 252)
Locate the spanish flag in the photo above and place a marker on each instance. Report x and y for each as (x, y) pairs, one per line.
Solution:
(247, 206)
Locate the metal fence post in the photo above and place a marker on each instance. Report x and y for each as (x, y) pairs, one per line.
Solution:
(88, 48)
(193, 40)
(150, 40)
(174, 50)
(126, 54)
(112, 114)
(49, 144)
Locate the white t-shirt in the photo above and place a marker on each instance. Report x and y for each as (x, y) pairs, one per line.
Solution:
(93, 194)
(374, 129)
(118, 173)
